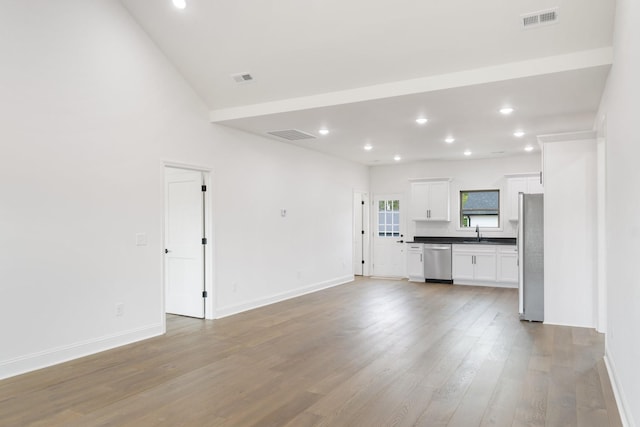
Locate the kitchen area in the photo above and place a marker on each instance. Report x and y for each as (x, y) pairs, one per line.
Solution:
(440, 217)
(478, 260)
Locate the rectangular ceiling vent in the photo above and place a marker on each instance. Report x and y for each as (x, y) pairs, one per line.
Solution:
(242, 77)
(291, 134)
(539, 19)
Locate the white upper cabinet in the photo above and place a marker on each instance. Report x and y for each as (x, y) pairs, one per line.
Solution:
(523, 183)
(430, 200)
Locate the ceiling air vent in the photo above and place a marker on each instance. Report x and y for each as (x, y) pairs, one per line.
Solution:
(291, 134)
(538, 19)
(242, 77)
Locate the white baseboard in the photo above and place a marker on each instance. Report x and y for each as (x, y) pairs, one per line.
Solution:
(261, 302)
(54, 356)
(556, 322)
(486, 284)
(621, 400)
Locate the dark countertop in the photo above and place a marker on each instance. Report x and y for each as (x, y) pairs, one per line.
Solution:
(465, 240)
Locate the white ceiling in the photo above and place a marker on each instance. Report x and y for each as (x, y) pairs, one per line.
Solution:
(367, 69)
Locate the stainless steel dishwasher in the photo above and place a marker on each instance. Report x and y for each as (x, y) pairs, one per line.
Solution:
(437, 262)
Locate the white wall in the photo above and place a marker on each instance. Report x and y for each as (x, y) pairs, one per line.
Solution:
(570, 233)
(471, 174)
(618, 122)
(90, 110)
(262, 256)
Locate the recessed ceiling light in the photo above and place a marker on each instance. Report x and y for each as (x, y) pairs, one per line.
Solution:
(528, 148)
(397, 158)
(368, 147)
(323, 131)
(467, 153)
(449, 140)
(506, 110)
(180, 4)
(421, 120)
(518, 134)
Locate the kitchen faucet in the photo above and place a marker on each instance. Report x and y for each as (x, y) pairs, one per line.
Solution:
(478, 232)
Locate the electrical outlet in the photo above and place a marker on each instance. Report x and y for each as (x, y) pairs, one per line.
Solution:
(119, 309)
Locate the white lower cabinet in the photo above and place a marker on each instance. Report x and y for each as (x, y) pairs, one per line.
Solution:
(462, 267)
(486, 265)
(415, 262)
(508, 264)
(473, 263)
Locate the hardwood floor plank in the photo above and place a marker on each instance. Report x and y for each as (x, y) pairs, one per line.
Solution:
(473, 405)
(561, 402)
(532, 407)
(607, 393)
(502, 405)
(369, 353)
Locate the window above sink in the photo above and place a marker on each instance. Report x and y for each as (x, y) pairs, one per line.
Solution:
(479, 208)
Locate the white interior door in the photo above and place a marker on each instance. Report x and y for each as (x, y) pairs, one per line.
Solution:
(184, 248)
(388, 236)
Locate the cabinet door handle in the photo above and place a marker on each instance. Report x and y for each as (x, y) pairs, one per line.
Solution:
(420, 257)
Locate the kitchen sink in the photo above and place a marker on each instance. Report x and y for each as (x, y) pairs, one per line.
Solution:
(484, 240)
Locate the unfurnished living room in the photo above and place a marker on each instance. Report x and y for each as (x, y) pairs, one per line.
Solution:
(319, 213)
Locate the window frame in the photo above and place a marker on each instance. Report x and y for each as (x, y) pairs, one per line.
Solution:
(500, 215)
(394, 214)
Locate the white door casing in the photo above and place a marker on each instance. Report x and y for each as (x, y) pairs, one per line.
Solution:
(184, 249)
(388, 236)
(361, 259)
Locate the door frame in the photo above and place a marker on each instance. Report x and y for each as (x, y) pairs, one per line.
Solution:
(209, 248)
(601, 226)
(363, 196)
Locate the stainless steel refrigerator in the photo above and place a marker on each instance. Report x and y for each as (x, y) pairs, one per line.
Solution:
(531, 256)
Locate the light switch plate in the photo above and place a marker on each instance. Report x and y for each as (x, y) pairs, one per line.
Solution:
(141, 239)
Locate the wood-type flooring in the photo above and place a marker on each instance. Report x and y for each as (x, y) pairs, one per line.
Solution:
(369, 353)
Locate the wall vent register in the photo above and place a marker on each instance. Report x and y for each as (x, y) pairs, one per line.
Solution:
(242, 77)
(291, 134)
(538, 19)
